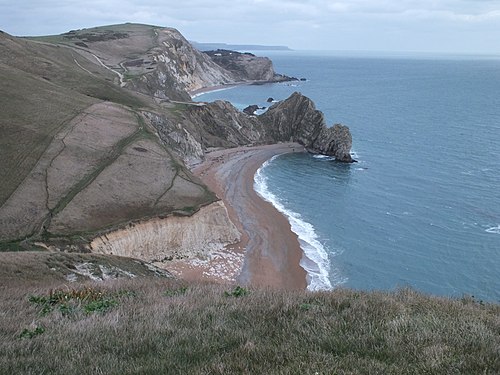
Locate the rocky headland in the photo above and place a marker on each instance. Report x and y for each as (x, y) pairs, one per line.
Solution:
(294, 119)
(247, 67)
(108, 171)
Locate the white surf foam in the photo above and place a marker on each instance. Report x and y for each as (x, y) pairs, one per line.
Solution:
(323, 157)
(494, 230)
(315, 259)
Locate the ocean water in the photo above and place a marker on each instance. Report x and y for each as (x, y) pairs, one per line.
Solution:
(422, 206)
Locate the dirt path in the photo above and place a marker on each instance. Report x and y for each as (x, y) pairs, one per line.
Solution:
(122, 81)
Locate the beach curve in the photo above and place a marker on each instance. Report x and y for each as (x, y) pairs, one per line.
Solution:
(272, 253)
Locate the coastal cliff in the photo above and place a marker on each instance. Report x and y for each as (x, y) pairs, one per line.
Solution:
(159, 62)
(177, 69)
(173, 237)
(246, 66)
(297, 119)
(220, 125)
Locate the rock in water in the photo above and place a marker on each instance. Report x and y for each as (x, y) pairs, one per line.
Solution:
(335, 141)
(250, 110)
(297, 119)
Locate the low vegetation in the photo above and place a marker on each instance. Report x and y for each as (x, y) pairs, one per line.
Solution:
(66, 170)
(160, 326)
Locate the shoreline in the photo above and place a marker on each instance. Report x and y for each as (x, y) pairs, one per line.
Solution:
(269, 252)
(206, 90)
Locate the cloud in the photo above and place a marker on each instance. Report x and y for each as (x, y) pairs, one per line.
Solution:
(299, 23)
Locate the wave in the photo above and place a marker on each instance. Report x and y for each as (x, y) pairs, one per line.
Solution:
(494, 230)
(315, 259)
(323, 157)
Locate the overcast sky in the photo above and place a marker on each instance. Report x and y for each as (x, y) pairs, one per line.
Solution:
(470, 26)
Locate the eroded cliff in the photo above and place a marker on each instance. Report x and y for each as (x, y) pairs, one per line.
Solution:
(246, 66)
(160, 62)
(173, 237)
(297, 119)
(221, 125)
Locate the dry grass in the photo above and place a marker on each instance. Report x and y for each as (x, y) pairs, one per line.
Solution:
(42, 90)
(57, 141)
(160, 327)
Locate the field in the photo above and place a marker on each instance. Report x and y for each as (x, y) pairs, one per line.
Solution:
(153, 325)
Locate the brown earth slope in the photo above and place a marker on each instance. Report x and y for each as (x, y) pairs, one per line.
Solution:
(77, 156)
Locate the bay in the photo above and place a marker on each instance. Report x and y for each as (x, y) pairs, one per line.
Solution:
(422, 206)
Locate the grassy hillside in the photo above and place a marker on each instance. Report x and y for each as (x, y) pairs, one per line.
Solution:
(42, 89)
(77, 156)
(155, 326)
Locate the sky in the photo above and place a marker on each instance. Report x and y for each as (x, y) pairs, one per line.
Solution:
(442, 26)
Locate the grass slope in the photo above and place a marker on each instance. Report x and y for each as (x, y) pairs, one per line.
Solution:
(151, 326)
(42, 90)
(59, 140)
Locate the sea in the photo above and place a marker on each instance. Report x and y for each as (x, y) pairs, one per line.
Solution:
(421, 208)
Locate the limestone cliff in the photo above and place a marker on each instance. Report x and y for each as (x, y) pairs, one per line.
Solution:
(173, 237)
(219, 124)
(297, 119)
(246, 66)
(178, 69)
(202, 128)
(160, 62)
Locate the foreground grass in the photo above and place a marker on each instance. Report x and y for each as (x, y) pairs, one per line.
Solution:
(153, 326)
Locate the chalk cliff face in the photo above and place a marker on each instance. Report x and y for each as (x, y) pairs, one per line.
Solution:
(178, 69)
(160, 62)
(174, 237)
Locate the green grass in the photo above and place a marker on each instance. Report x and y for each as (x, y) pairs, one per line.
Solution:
(169, 328)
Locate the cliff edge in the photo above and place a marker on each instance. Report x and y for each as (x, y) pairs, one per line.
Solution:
(246, 66)
(220, 125)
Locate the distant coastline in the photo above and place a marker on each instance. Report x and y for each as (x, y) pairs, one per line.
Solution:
(238, 47)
